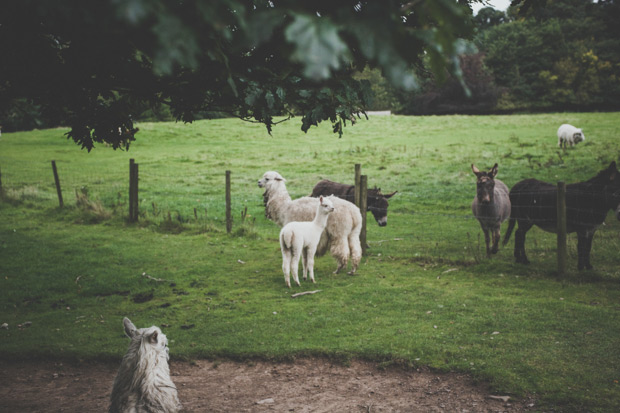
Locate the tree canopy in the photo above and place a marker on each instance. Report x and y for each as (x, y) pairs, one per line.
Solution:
(90, 64)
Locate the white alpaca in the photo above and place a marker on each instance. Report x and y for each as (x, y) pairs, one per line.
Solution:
(568, 134)
(301, 239)
(143, 384)
(342, 233)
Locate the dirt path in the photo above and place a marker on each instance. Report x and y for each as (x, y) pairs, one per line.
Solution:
(308, 385)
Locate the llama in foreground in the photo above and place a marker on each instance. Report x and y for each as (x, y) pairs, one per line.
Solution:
(300, 239)
(587, 204)
(491, 205)
(342, 233)
(568, 134)
(376, 201)
(143, 384)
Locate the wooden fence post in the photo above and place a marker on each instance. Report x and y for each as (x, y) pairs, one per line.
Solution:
(133, 191)
(561, 211)
(57, 181)
(363, 206)
(358, 173)
(228, 208)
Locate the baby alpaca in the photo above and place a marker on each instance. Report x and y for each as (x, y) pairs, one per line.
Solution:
(300, 239)
(143, 383)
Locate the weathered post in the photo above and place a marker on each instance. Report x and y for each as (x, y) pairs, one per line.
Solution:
(358, 173)
(131, 163)
(57, 181)
(562, 251)
(363, 206)
(136, 181)
(133, 191)
(228, 207)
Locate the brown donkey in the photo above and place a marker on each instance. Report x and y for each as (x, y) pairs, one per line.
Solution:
(491, 205)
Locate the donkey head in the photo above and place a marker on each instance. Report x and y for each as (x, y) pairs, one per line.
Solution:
(378, 205)
(485, 185)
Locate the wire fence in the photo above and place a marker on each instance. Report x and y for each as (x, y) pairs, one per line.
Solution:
(420, 224)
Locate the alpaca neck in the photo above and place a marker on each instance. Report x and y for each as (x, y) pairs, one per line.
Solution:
(320, 220)
(276, 203)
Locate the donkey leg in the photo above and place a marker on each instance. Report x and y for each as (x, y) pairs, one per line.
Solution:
(496, 237)
(584, 246)
(487, 241)
(520, 244)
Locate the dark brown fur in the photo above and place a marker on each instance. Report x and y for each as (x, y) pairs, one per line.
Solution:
(587, 203)
(376, 201)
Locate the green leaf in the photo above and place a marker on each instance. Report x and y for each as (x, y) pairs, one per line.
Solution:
(318, 45)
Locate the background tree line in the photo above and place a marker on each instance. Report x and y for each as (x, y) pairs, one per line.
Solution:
(564, 56)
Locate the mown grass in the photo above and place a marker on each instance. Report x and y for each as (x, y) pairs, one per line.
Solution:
(424, 296)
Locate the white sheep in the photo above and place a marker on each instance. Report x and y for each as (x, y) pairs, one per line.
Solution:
(342, 233)
(143, 383)
(568, 134)
(300, 240)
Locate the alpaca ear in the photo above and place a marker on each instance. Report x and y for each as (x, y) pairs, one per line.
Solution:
(153, 337)
(321, 199)
(130, 329)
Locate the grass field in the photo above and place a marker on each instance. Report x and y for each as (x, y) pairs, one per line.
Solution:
(425, 294)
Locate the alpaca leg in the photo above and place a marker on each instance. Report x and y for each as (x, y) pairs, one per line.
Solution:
(310, 258)
(286, 266)
(304, 263)
(295, 265)
(355, 248)
(340, 251)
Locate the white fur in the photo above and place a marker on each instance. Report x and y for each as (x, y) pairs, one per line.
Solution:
(300, 240)
(143, 383)
(568, 134)
(342, 233)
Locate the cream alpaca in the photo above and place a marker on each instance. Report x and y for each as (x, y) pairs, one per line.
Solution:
(143, 383)
(342, 233)
(300, 239)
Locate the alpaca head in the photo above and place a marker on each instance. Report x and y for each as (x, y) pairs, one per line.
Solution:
(325, 205)
(145, 341)
(270, 179)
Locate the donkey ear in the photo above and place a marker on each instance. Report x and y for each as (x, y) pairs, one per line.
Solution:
(474, 169)
(388, 196)
(130, 329)
(612, 165)
(493, 171)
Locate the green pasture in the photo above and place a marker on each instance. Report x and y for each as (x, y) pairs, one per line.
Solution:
(425, 294)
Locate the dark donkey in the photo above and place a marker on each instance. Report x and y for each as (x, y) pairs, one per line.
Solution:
(376, 201)
(587, 204)
(491, 205)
